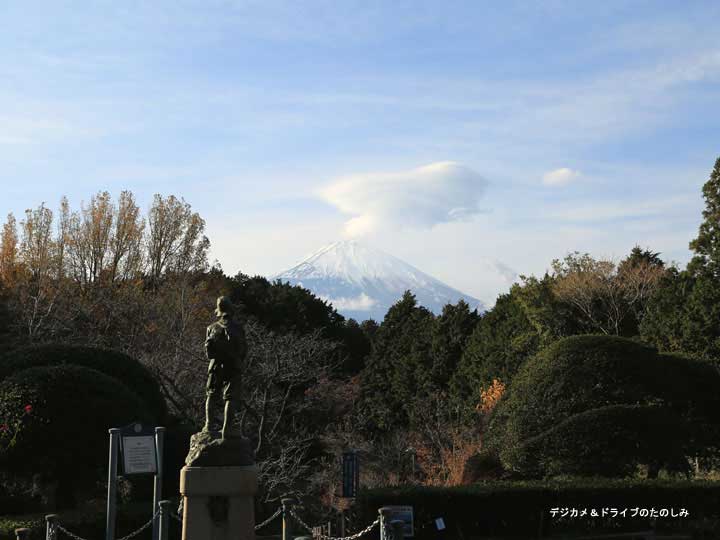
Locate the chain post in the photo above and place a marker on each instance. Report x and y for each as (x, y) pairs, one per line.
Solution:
(50, 521)
(384, 515)
(164, 519)
(158, 478)
(303, 538)
(111, 512)
(398, 529)
(287, 505)
(22, 534)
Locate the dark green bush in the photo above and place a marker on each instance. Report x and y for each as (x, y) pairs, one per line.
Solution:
(126, 369)
(533, 426)
(503, 509)
(608, 441)
(56, 422)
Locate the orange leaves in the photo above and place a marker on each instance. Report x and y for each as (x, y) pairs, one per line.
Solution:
(490, 396)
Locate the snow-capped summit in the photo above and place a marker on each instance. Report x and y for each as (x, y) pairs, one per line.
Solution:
(362, 282)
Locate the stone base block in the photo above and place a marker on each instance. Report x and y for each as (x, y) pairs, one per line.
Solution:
(218, 502)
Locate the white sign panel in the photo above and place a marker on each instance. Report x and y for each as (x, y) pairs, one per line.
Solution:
(139, 454)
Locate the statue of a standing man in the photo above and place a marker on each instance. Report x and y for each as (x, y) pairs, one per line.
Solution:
(226, 349)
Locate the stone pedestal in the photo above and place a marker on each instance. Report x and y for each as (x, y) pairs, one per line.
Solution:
(218, 502)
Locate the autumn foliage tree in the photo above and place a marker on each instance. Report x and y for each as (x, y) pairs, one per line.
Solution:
(610, 298)
(8, 251)
(56, 270)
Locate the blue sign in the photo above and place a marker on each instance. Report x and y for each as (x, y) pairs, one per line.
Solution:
(350, 474)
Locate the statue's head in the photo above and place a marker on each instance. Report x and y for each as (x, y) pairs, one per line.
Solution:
(224, 307)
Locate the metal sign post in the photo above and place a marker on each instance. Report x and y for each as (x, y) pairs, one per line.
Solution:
(139, 449)
(112, 484)
(157, 485)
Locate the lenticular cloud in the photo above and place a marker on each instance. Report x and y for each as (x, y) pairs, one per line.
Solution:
(437, 193)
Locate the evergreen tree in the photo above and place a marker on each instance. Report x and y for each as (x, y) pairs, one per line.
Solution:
(707, 244)
(501, 341)
(369, 328)
(450, 335)
(357, 346)
(398, 365)
(683, 315)
(639, 258)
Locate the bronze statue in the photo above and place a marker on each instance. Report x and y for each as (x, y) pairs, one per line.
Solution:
(226, 349)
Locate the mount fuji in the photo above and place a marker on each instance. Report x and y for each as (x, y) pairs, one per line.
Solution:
(362, 282)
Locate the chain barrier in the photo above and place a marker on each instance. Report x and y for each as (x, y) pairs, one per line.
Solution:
(300, 521)
(53, 532)
(268, 520)
(68, 533)
(326, 537)
(179, 519)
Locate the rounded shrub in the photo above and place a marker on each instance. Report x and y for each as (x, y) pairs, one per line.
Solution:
(609, 441)
(54, 421)
(564, 402)
(115, 364)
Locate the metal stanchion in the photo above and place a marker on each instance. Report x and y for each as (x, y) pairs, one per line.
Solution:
(50, 521)
(287, 505)
(384, 515)
(164, 519)
(112, 484)
(22, 534)
(158, 480)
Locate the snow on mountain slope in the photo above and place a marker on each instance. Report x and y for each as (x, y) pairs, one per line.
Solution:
(362, 282)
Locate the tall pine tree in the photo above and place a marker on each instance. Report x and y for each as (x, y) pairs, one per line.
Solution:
(707, 244)
(682, 316)
(397, 366)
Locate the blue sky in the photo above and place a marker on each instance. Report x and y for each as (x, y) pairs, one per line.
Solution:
(547, 126)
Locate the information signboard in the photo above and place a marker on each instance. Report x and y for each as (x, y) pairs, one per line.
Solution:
(404, 514)
(137, 446)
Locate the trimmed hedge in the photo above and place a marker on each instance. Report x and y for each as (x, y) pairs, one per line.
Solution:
(608, 441)
(522, 509)
(580, 374)
(115, 364)
(62, 429)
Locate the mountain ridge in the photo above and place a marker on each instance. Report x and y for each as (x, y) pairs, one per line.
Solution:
(363, 282)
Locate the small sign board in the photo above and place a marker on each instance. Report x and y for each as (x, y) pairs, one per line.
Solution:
(137, 446)
(350, 474)
(404, 514)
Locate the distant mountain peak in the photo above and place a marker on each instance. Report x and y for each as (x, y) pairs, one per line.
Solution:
(363, 282)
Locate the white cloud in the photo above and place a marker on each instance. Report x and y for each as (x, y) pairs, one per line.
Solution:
(560, 177)
(358, 303)
(441, 192)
